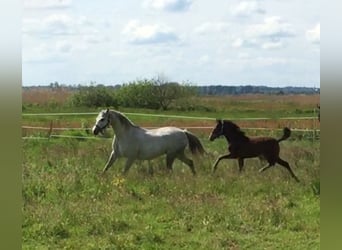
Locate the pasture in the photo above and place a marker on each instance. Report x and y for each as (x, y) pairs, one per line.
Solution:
(67, 203)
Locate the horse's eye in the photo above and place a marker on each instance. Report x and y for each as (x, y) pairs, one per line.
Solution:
(102, 119)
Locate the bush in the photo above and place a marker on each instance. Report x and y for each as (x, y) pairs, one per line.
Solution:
(153, 94)
(94, 96)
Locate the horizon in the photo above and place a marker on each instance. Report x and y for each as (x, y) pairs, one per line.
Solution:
(253, 42)
(195, 85)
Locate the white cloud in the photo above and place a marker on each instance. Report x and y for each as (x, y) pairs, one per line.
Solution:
(47, 53)
(272, 45)
(138, 33)
(204, 59)
(62, 25)
(168, 5)
(244, 9)
(314, 35)
(256, 62)
(57, 24)
(209, 27)
(63, 46)
(271, 27)
(47, 4)
(267, 35)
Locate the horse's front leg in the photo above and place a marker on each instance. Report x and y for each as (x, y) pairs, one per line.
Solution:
(112, 158)
(226, 156)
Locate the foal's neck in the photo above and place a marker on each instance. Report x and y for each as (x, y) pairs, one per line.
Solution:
(236, 138)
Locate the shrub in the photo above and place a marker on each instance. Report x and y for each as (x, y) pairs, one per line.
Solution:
(94, 96)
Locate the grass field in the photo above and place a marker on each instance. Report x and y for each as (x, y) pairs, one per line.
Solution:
(67, 204)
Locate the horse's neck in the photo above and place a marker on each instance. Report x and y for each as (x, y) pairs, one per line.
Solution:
(121, 130)
(236, 138)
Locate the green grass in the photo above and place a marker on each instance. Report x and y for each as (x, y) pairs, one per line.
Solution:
(68, 204)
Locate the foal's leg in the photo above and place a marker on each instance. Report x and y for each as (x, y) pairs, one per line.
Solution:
(287, 166)
(240, 164)
(182, 157)
(267, 167)
(113, 156)
(226, 156)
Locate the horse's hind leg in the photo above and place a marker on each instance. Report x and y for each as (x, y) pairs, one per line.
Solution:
(182, 157)
(150, 168)
(170, 158)
(287, 166)
(128, 164)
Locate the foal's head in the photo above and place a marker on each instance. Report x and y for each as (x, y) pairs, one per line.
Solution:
(102, 122)
(225, 127)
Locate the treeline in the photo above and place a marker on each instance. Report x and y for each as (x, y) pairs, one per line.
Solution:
(251, 89)
(200, 90)
(157, 94)
(150, 94)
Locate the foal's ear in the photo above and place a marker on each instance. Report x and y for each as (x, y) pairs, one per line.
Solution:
(218, 121)
(107, 110)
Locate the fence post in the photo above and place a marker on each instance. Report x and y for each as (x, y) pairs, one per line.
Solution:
(50, 130)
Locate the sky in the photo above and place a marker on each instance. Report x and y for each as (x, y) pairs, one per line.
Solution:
(228, 42)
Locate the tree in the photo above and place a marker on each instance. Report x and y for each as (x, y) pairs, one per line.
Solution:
(165, 93)
(154, 94)
(94, 96)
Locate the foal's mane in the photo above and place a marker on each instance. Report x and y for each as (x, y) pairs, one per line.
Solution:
(235, 129)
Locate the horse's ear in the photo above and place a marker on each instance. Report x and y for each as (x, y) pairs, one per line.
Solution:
(218, 121)
(107, 110)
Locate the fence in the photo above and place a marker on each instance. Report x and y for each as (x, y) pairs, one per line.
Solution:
(314, 130)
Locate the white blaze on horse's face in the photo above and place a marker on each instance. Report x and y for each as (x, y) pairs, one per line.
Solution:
(102, 122)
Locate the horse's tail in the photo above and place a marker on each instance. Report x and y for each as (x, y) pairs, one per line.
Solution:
(287, 133)
(195, 144)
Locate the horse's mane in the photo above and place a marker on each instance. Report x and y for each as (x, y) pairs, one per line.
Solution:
(235, 130)
(124, 120)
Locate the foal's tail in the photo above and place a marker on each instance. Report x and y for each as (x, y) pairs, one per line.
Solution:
(287, 133)
(195, 144)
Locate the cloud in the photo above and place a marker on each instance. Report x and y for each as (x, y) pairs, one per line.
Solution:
(314, 35)
(247, 8)
(61, 25)
(168, 5)
(208, 27)
(63, 46)
(47, 4)
(58, 24)
(271, 27)
(256, 62)
(138, 33)
(48, 53)
(267, 35)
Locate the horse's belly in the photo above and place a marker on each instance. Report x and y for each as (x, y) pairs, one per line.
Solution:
(245, 150)
(151, 150)
(154, 143)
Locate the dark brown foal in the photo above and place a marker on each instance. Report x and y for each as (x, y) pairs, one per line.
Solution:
(241, 146)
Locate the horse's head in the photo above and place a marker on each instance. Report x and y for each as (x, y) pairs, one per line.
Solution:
(226, 128)
(217, 131)
(102, 122)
